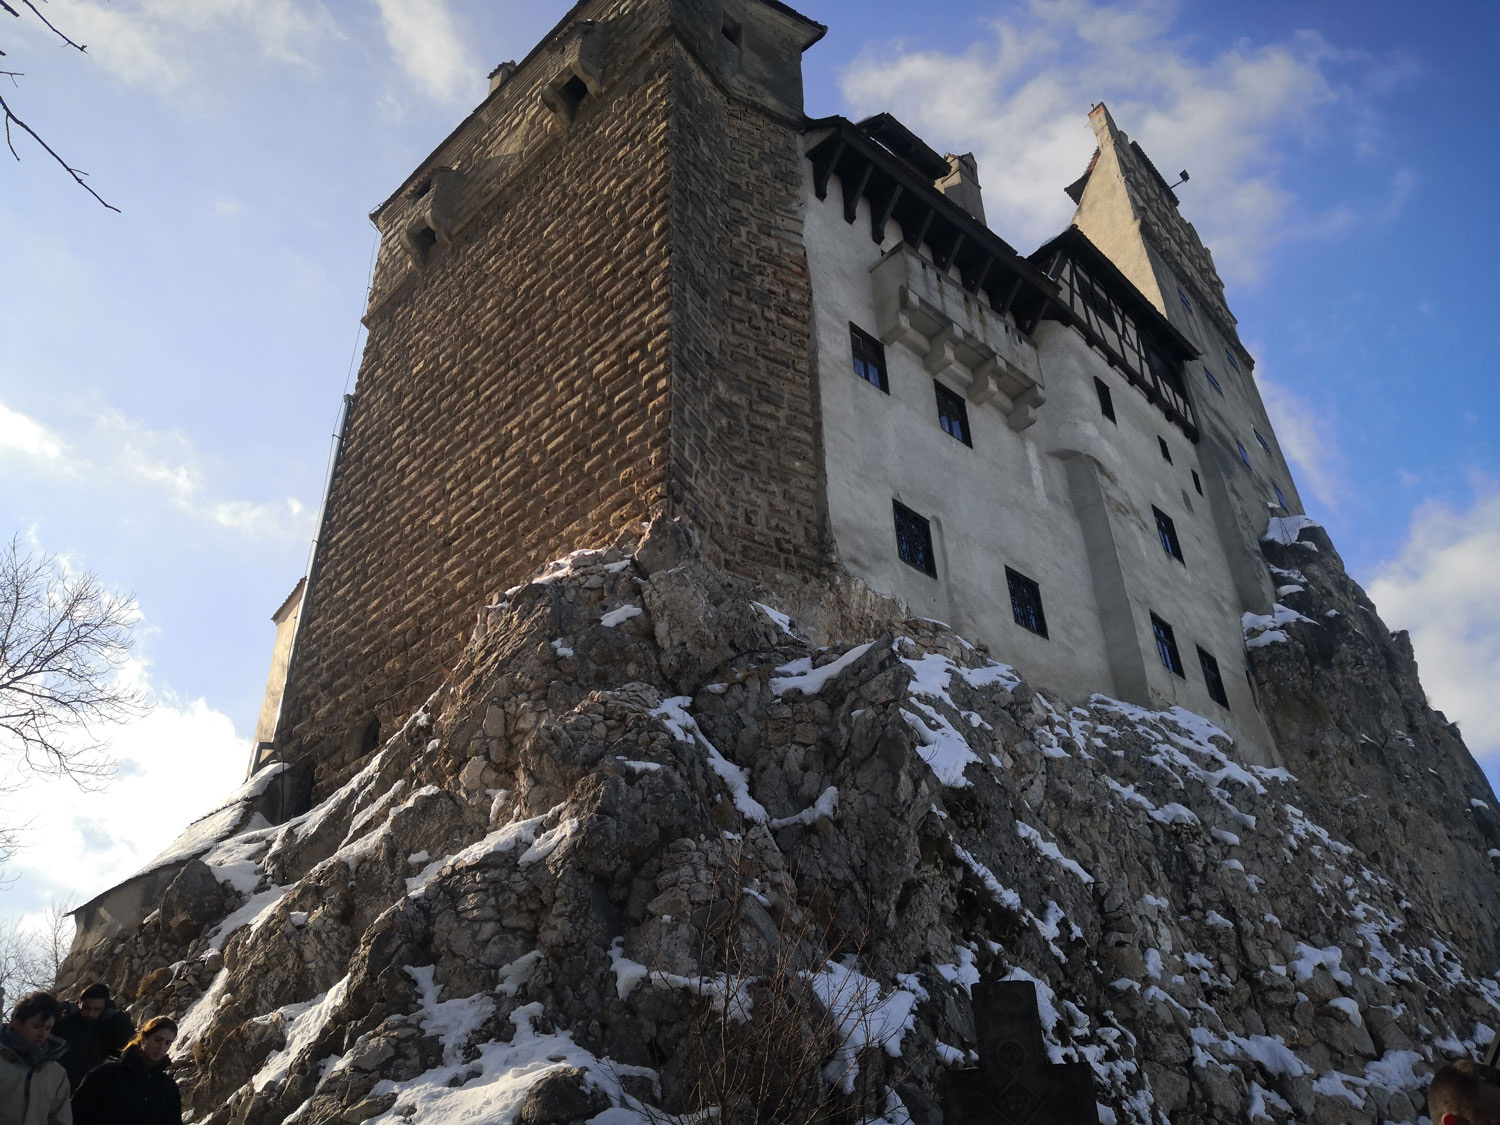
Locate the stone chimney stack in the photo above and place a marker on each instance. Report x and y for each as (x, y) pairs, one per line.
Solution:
(961, 184)
(500, 74)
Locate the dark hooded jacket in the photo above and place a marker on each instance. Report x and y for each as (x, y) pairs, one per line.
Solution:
(91, 1042)
(128, 1091)
(33, 1086)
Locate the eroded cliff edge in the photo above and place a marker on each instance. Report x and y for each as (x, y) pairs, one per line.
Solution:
(650, 850)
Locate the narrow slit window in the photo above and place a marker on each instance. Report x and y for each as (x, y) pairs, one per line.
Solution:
(1245, 457)
(953, 415)
(1183, 297)
(1197, 483)
(1211, 678)
(1264, 444)
(869, 358)
(1229, 355)
(1166, 646)
(1026, 602)
(1166, 530)
(1280, 497)
(1166, 452)
(1106, 400)
(1212, 382)
(914, 540)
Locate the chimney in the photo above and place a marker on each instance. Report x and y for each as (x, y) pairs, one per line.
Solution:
(961, 184)
(500, 74)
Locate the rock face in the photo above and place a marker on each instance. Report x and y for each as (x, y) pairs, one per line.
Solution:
(650, 852)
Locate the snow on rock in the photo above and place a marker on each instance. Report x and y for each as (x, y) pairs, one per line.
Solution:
(1286, 529)
(581, 861)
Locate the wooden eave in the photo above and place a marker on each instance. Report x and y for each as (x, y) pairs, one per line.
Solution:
(897, 190)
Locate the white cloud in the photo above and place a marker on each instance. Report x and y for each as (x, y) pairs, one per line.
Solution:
(162, 43)
(172, 765)
(1442, 587)
(1309, 439)
(156, 465)
(1019, 97)
(27, 437)
(425, 38)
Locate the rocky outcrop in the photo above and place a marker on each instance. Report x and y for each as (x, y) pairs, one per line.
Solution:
(650, 851)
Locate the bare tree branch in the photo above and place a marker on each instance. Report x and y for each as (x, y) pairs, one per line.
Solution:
(10, 114)
(63, 640)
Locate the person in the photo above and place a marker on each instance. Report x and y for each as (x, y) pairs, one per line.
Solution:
(1464, 1093)
(136, 1088)
(33, 1084)
(94, 1030)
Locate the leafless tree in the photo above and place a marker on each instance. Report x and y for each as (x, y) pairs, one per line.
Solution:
(63, 639)
(10, 115)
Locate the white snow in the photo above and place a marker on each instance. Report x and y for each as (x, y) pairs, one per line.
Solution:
(684, 728)
(945, 751)
(802, 676)
(826, 805)
(1285, 529)
(779, 619)
(620, 615)
(864, 1017)
(1033, 837)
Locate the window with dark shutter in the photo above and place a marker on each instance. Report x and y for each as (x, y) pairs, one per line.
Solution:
(914, 539)
(869, 358)
(953, 415)
(1212, 678)
(1167, 531)
(1026, 602)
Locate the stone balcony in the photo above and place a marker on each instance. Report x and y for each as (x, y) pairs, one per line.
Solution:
(955, 332)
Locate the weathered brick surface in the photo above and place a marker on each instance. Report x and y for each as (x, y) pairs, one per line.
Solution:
(616, 326)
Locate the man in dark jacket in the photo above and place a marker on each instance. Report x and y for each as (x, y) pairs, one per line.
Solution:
(94, 1030)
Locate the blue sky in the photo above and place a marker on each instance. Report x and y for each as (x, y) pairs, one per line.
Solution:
(170, 376)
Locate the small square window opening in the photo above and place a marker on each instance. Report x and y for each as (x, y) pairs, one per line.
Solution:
(914, 540)
(1026, 602)
(869, 358)
(1166, 453)
(953, 415)
(1166, 645)
(1166, 530)
(1212, 679)
(1106, 400)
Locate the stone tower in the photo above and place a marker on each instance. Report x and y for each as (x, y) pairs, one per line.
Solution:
(1127, 209)
(589, 309)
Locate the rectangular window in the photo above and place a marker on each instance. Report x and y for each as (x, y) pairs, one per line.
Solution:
(1212, 382)
(1166, 453)
(914, 539)
(1183, 297)
(1264, 444)
(1245, 457)
(1198, 484)
(1166, 645)
(1229, 355)
(1026, 602)
(1280, 499)
(953, 415)
(1167, 531)
(869, 358)
(1212, 678)
(1106, 400)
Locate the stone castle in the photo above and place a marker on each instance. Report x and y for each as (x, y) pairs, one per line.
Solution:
(637, 281)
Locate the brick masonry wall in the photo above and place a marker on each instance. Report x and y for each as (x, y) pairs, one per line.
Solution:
(746, 437)
(513, 398)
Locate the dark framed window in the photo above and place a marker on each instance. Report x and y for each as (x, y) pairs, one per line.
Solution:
(1106, 400)
(1212, 382)
(1280, 498)
(1183, 297)
(1264, 444)
(869, 358)
(1026, 602)
(914, 539)
(1229, 355)
(1212, 678)
(1167, 530)
(1245, 457)
(1095, 299)
(1166, 452)
(1198, 484)
(1166, 645)
(953, 415)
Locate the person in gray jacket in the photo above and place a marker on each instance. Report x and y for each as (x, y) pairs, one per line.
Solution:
(33, 1085)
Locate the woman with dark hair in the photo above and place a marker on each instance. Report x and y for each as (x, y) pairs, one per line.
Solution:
(134, 1089)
